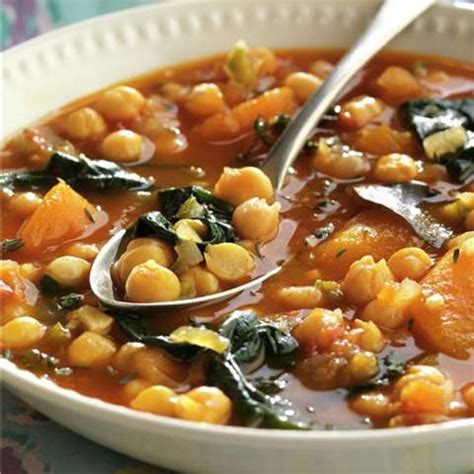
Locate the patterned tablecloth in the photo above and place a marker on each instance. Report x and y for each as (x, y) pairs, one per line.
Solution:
(32, 444)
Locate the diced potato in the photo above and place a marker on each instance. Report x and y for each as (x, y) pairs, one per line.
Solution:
(375, 232)
(60, 205)
(93, 319)
(450, 328)
(91, 350)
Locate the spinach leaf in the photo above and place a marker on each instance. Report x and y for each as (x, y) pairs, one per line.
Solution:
(250, 340)
(155, 224)
(10, 245)
(253, 341)
(64, 297)
(404, 199)
(171, 199)
(428, 116)
(133, 327)
(446, 130)
(254, 407)
(200, 204)
(79, 172)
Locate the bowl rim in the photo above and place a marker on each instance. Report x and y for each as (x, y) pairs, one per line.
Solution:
(44, 388)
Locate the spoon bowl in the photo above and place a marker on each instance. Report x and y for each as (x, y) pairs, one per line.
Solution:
(103, 287)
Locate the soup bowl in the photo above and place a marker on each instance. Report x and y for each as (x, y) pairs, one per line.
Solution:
(41, 75)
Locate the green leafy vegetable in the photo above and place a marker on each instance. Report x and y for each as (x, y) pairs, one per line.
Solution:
(10, 245)
(252, 342)
(404, 199)
(63, 296)
(79, 172)
(152, 224)
(446, 130)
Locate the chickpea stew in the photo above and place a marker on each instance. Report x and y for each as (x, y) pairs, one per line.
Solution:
(370, 322)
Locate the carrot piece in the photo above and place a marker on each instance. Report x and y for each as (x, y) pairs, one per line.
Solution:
(62, 216)
(449, 327)
(375, 232)
(240, 119)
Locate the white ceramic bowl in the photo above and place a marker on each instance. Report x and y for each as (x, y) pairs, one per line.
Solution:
(43, 74)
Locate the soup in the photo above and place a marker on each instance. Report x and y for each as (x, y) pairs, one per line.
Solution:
(369, 323)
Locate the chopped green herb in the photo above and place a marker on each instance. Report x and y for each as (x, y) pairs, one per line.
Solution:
(456, 254)
(340, 253)
(10, 245)
(70, 301)
(89, 215)
(50, 287)
(411, 323)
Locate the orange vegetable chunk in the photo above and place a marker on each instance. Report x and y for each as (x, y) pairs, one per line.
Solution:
(240, 119)
(62, 216)
(375, 232)
(449, 328)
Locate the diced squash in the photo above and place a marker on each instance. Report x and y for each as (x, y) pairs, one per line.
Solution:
(449, 327)
(374, 232)
(382, 140)
(62, 216)
(240, 119)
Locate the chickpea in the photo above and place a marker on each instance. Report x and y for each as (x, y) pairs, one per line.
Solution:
(410, 262)
(364, 279)
(321, 68)
(174, 91)
(121, 103)
(124, 358)
(395, 167)
(157, 399)
(393, 302)
(339, 163)
(320, 329)
(157, 367)
(459, 239)
(131, 389)
(136, 254)
(239, 185)
(84, 124)
(456, 211)
(204, 404)
(397, 83)
(228, 261)
(432, 172)
(256, 219)
(69, 271)
(204, 99)
(122, 146)
(303, 84)
(298, 297)
(169, 141)
(93, 319)
(31, 271)
(85, 251)
(265, 61)
(91, 350)
(469, 221)
(373, 404)
(362, 366)
(24, 204)
(360, 111)
(149, 282)
(22, 333)
(422, 396)
(370, 338)
(205, 282)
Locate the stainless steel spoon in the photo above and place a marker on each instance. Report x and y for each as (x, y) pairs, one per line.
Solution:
(392, 17)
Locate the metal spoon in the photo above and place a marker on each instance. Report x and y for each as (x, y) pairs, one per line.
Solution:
(392, 17)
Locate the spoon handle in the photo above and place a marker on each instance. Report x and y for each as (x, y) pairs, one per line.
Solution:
(392, 17)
